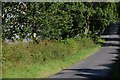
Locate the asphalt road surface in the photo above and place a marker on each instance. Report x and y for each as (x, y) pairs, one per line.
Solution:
(99, 65)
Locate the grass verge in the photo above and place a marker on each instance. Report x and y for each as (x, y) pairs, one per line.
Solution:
(47, 69)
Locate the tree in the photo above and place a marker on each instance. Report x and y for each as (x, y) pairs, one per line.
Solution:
(56, 20)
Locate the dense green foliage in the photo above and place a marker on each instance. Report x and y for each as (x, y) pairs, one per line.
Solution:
(118, 9)
(56, 20)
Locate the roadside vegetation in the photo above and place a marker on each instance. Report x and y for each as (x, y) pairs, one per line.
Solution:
(41, 38)
(45, 58)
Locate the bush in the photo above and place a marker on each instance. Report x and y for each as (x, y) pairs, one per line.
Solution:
(98, 40)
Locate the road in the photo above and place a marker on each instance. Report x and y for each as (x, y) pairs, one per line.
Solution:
(99, 65)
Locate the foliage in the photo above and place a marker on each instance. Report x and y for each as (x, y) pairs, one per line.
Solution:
(118, 9)
(49, 20)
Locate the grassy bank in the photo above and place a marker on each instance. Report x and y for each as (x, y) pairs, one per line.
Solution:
(27, 60)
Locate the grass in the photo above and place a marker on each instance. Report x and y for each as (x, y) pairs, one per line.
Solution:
(38, 70)
(28, 60)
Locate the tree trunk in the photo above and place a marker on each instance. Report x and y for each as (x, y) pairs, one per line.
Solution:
(87, 25)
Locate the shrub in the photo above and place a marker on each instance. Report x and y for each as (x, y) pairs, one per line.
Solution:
(98, 40)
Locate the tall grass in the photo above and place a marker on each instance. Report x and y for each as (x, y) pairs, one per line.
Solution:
(20, 55)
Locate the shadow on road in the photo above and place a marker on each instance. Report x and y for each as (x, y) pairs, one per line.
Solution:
(116, 68)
